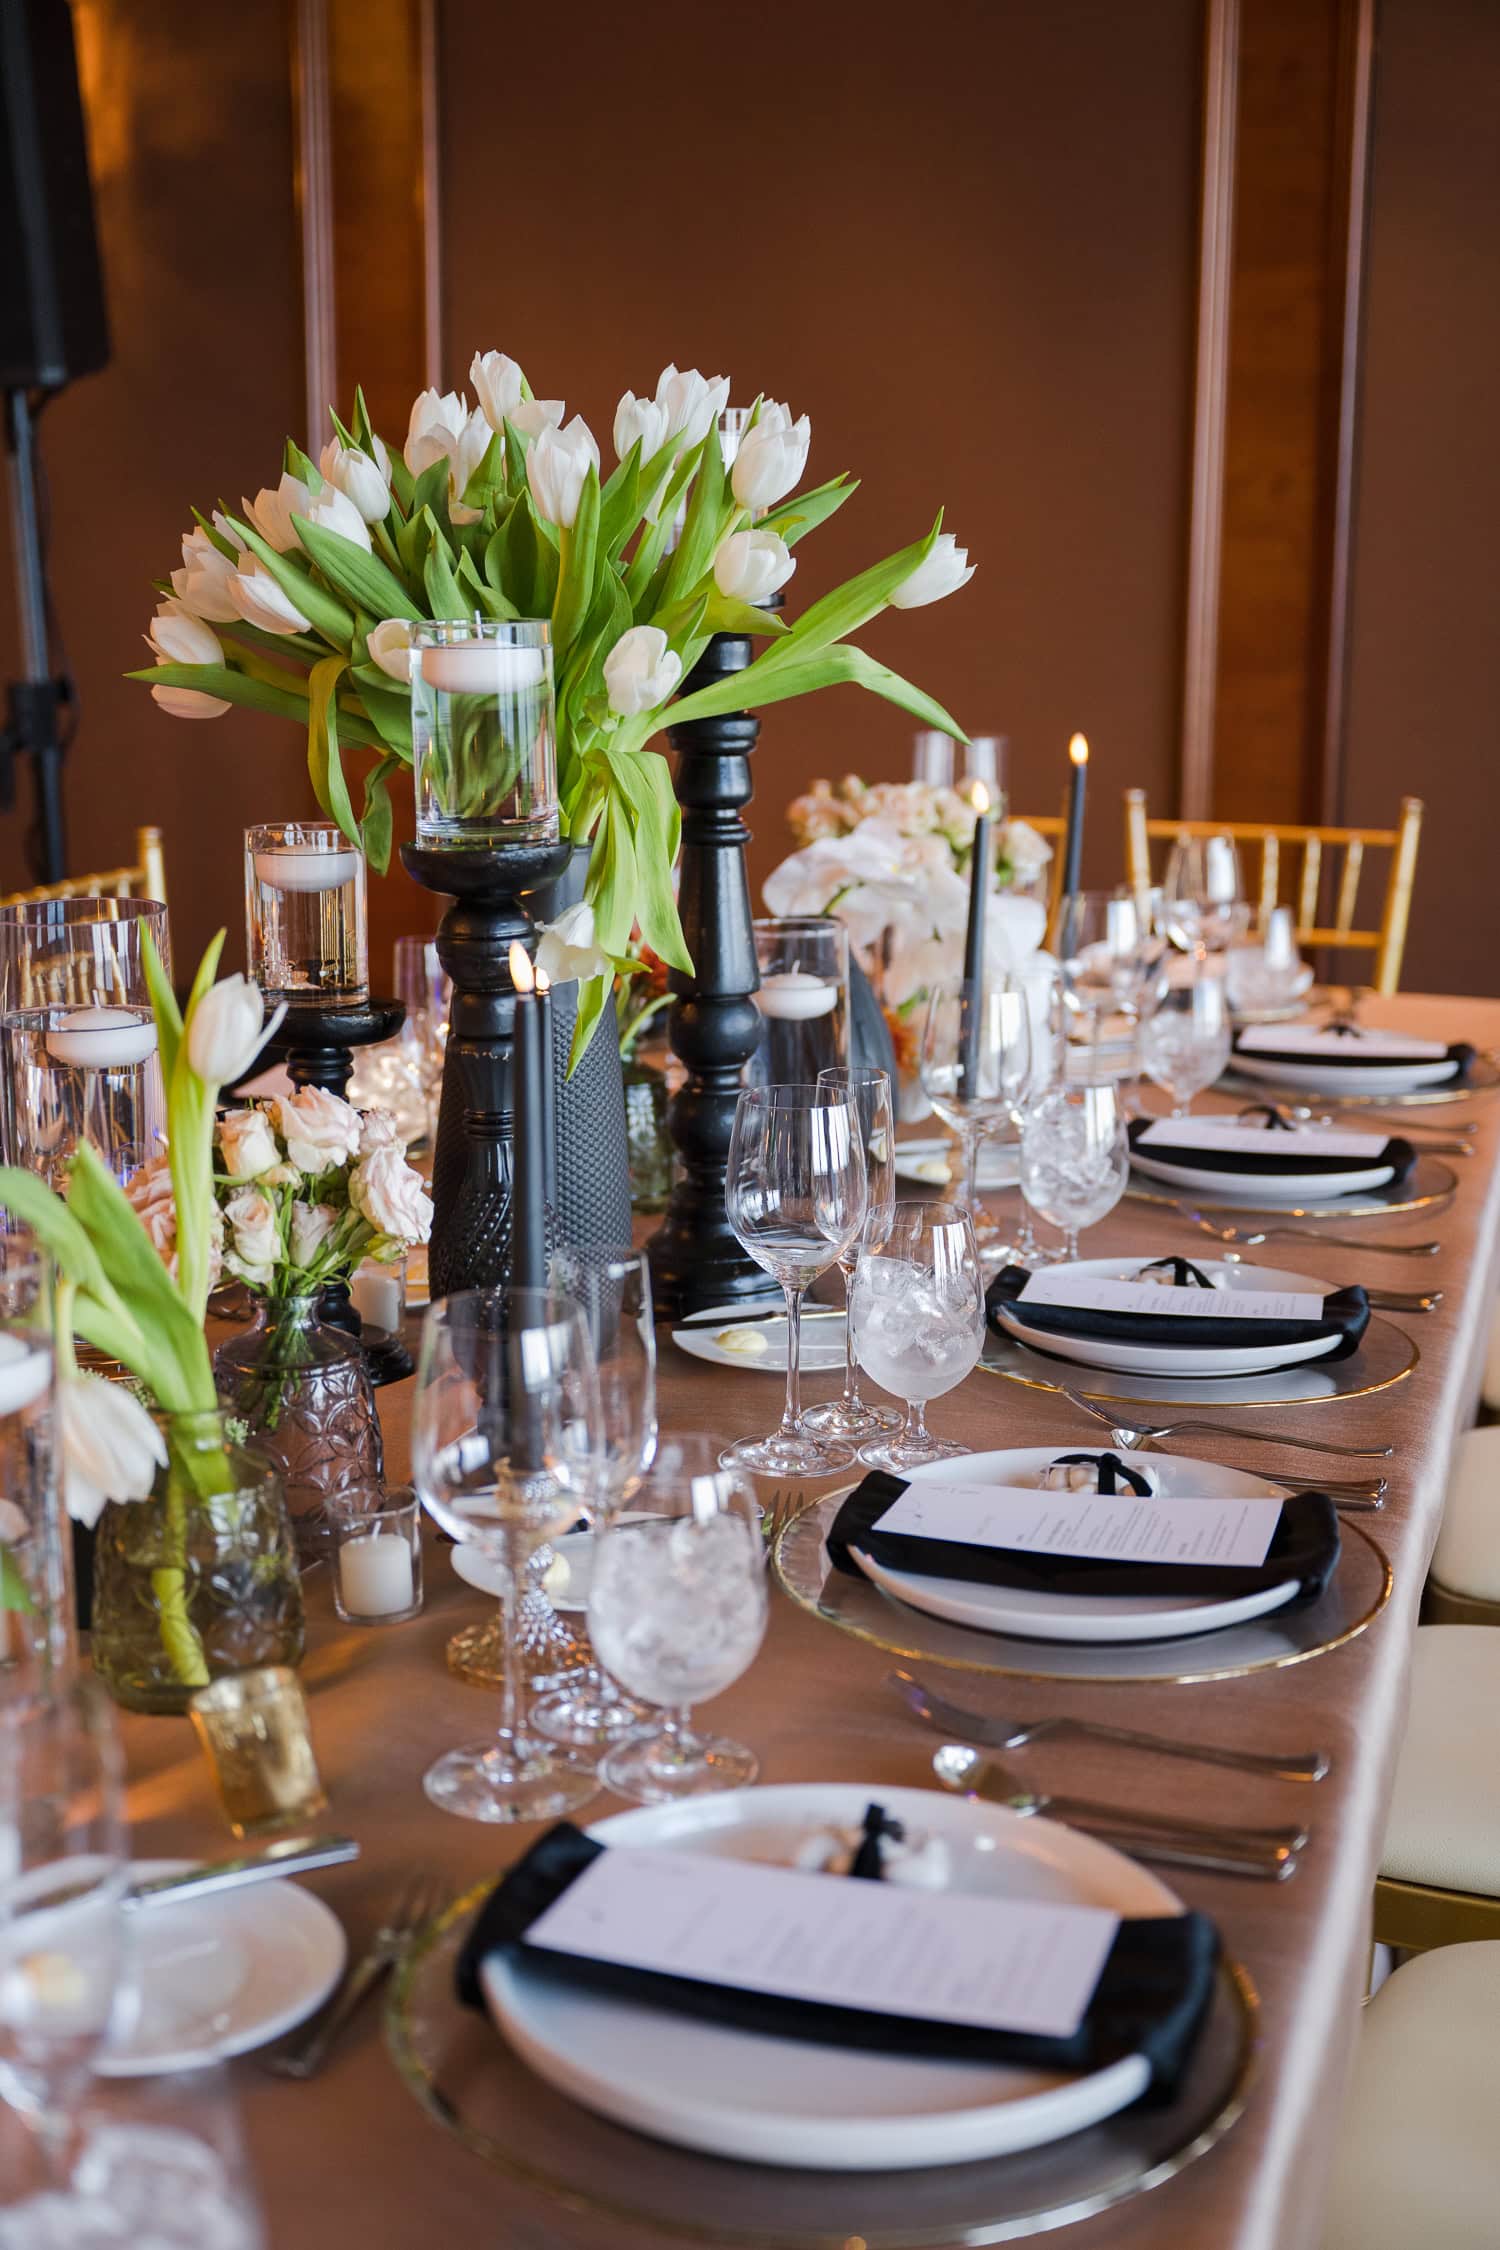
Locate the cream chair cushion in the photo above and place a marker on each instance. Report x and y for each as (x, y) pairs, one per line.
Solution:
(1444, 1825)
(1418, 2164)
(1491, 1385)
(1466, 1559)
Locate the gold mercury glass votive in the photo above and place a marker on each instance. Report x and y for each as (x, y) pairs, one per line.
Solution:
(255, 1732)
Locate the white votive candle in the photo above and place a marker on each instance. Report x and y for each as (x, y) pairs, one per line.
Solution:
(25, 1371)
(303, 867)
(375, 1574)
(376, 1293)
(101, 1038)
(482, 668)
(796, 994)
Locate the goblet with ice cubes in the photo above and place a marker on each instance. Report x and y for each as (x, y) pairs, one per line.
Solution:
(917, 1312)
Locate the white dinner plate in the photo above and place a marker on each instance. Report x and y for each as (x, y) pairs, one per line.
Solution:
(219, 1975)
(746, 2095)
(576, 1548)
(933, 1161)
(1345, 1078)
(1163, 1359)
(1039, 1616)
(1255, 1189)
(822, 1342)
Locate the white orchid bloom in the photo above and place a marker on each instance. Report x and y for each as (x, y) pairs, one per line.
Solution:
(260, 601)
(111, 1448)
(944, 571)
(750, 566)
(568, 948)
(557, 464)
(640, 671)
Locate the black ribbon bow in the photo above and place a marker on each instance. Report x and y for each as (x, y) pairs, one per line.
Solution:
(1185, 1275)
(866, 1863)
(1115, 1475)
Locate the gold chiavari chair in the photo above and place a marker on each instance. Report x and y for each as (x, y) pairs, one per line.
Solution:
(1439, 1882)
(1054, 827)
(146, 878)
(1340, 849)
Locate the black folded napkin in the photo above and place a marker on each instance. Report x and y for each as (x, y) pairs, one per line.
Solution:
(1273, 1160)
(1348, 1056)
(1151, 1999)
(1304, 1546)
(1345, 1314)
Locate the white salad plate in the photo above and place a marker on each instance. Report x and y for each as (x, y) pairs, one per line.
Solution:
(764, 2100)
(934, 1161)
(1051, 1616)
(822, 1341)
(1321, 1076)
(218, 1975)
(1257, 1188)
(1162, 1359)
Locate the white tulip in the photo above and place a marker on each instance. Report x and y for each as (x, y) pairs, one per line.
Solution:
(472, 444)
(640, 671)
(363, 479)
(771, 458)
(433, 431)
(568, 948)
(202, 584)
(333, 510)
(111, 1447)
(556, 465)
(498, 381)
(944, 571)
(693, 403)
(750, 566)
(178, 637)
(227, 1030)
(260, 601)
(273, 513)
(388, 644)
(189, 703)
(643, 418)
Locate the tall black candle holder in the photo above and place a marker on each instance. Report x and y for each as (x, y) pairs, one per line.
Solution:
(713, 1026)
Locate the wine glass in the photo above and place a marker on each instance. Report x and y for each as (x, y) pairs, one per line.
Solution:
(917, 1311)
(677, 1611)
(1202, 898)
(869, 1090)
(63, 1871)
(978, 1059)
(507, 1450)
(796, 1201)
(1074, 1158)
(1185, 1037)
(611, 1285)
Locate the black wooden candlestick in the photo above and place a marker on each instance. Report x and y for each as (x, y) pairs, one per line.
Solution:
(714, 1025)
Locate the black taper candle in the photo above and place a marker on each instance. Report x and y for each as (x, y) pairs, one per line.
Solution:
(971, 1004)
(549, 1094)
(528, 1234)
(1078, 752)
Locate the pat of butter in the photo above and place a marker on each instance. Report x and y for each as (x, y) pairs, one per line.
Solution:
(932, 1168)
(749, 1343)
(557, 1576)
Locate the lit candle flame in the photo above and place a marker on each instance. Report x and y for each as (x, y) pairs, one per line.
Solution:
(979, 798)
(1078, 750)
(543, 981)
(522, 976)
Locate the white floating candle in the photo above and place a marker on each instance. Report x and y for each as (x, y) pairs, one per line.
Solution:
(483, 668)
(375, 1574)
(303, 867)
(25, 1372)
(796, 994)
(101, 1038)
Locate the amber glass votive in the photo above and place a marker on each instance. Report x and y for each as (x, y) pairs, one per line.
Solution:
(255, 1730)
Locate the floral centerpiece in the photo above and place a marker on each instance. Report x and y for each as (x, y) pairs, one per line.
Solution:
(303, 603)
(194, 1566)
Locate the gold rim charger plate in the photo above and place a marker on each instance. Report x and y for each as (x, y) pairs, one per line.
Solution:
(1357, 1592)
(1481, 1077)
(1428, 1184)
(466, 2077)
(1386, 1356)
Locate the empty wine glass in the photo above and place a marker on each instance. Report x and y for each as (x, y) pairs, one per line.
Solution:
(978, 1058)
(1074, 1158)
(917, 1312)
(611, 1285)
(677, 1611)
(1184, 1039)
(507, 1450)
(869, 1090)
(796, 1201)
(1202, 899)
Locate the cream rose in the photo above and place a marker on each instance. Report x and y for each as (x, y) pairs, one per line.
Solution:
(389, 1194)
(321, 1132)
(378, 1129)
(247, 1143)
(312, 1224)
(254, 1240)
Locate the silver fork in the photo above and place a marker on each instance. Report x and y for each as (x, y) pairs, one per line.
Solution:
(1249, 1240)
(1014, 1734)
(415, 1904)
(1127, 1434)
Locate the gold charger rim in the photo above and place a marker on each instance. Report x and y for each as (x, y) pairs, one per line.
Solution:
(1140, 1189)
(1085, 1375)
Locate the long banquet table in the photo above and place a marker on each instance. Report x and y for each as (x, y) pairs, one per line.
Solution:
(351, 2158)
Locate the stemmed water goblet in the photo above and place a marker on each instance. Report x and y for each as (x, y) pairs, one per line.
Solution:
(1075, 1158)
(796, 1201)
(508, 1449)
(1203, 905)
(851, 1416)
(677, 1611)
(978, 1058)
(1185, 1037)
(917, 1312)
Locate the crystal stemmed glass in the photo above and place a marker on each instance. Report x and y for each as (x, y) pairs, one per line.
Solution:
(1184, 1039)
(1202, 899)
(870, 1092)
(63, 1872)
(677, 1611)
(1074, 1158)
(917, 1312)
(977, 1064)
(796, 1201)
(611, 1285)
(507, 1451)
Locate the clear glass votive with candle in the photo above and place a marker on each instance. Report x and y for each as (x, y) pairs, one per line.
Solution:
(484, 724)
(377, 1562)
(78, 1054)
(306, 932)
(803, 1000)
(255, 1731)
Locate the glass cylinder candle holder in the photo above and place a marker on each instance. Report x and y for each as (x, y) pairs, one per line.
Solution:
(484, 724)
(803, 1000)
(78, 1057)
(377, 1564)
(255, 1731)
(305, 927)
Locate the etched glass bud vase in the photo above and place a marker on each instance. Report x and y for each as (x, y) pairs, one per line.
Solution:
(303, 1393)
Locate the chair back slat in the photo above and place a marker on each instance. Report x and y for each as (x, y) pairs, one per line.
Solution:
(1270, 876)
(1312, 871)
(147, 878)
(1354, 859)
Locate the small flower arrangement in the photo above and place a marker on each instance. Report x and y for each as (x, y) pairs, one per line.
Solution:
(916, 808)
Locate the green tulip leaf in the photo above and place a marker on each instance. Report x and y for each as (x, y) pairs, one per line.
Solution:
(323, 612)
(360, 577)
(231, 687)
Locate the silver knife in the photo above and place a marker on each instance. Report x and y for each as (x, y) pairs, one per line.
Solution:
(290, 1855)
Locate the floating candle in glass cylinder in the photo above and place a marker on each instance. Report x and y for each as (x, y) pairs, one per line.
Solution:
(305, 927)
(100, 1038)
(484, 732)
(803, 1000)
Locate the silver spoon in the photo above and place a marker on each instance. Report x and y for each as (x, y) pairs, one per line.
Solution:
(1305, 1234)
(1127, 1434)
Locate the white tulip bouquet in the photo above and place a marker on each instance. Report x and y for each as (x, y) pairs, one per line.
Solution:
(303, 605)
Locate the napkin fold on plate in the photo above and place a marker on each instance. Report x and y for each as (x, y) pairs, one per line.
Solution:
(1343, 1047)
(1345, 1314)
(1304, 1546)
(1151, 1999)
(1274, 1160)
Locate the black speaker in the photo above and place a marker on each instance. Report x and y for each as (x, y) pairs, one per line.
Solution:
(52, 317)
